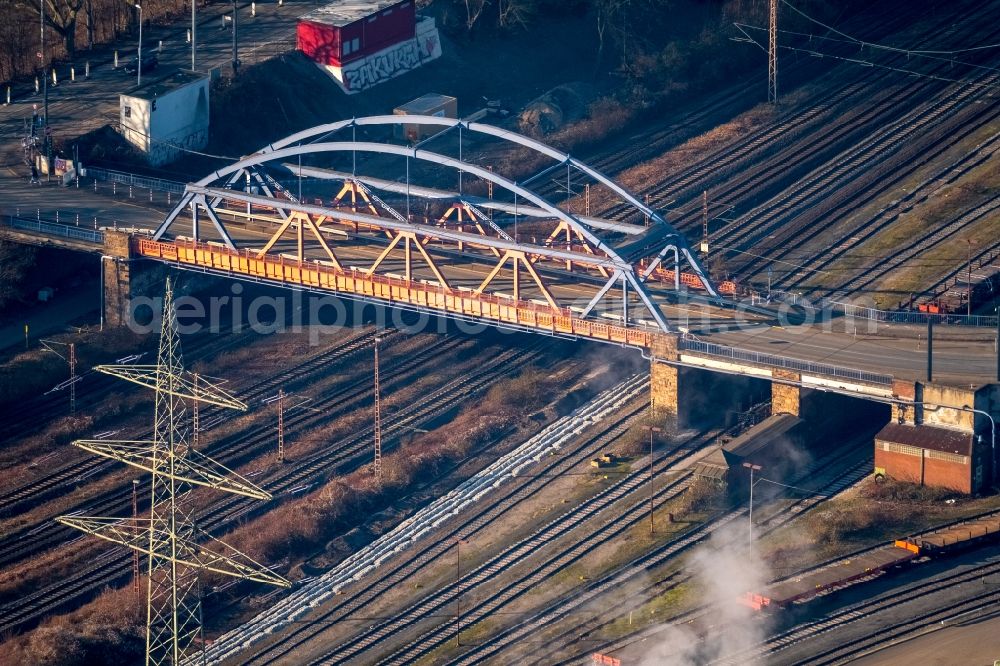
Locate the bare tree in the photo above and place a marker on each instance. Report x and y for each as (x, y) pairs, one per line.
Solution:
(473, 10)
(61, 16)
(510, 12)
(15, 260)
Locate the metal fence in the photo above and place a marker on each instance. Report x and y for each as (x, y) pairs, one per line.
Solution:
(885, 316)
(53, 229)
(773, 361)
(902, 317)
(132, 179)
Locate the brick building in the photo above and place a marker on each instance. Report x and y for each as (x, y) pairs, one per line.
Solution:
(932, 456)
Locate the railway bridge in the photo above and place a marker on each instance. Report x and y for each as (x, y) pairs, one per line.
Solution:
(482, 224)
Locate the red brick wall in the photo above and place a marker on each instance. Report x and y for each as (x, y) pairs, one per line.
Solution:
(925, 471)
(946, 474)
(899, 466)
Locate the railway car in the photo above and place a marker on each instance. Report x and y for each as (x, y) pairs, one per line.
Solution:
(946, 539)
(954, 537)
(836, 575)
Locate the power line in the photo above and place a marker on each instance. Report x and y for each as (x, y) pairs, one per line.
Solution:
(919, 54)
(869, 63)
(882, 46)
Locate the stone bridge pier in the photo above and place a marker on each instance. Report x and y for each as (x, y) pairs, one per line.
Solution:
(125, 277)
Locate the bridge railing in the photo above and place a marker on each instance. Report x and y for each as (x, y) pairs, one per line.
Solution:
(429, 297)
(54, 229)
(884, 316)
(774, 361)
(145, 182)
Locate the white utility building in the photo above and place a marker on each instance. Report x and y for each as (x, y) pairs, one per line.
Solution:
(165, 116)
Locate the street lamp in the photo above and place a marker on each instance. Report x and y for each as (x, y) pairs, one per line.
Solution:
(993, 436)
(138, 68)
(458, 591)
(651, 430)
(753, 468)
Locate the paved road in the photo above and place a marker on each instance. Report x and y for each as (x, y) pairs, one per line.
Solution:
(79, 107)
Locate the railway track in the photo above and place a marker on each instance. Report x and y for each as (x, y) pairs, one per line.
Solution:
(475, 520)
(611, 522)
(576, 632)
(491, 647)
(856, 170)
(869, 608)
(231, 451)
(832, 119)
(853, 245)
(341, 457)
(704, 612)
(900, 257)
(31, 414)
(66, 478)
(775, 229)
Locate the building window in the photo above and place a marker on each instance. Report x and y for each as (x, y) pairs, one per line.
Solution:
(387, 12)
(127, 111)
(356, 44)
(347, 48)
(949, 457)
(902, 448)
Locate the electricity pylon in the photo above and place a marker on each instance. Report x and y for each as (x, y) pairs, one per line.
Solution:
(176, 549)
(772, 54)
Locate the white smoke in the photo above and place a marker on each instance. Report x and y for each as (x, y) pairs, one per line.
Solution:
(723, 574)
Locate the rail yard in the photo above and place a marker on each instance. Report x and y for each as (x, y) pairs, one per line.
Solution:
(344, 333)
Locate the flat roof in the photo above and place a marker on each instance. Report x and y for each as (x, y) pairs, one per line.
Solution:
(945, 440)
(345, 12)
(425, 104)
(761, 436)
(160, 87)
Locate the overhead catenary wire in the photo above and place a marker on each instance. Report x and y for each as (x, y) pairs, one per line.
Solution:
(743, 27)
(883, 47)
(869, 63)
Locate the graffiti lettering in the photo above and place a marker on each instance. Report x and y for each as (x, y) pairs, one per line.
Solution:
(393, 61)
(381, 66)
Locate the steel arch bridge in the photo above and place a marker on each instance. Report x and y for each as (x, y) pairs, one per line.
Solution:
(438, 231)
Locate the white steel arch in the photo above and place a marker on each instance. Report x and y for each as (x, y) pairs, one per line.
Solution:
(656, 242)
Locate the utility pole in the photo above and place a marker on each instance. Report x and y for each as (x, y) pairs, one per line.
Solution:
(704, 223)
(138, 69)
(968, 283)
(194, 28)
(651, 430)
(281, 425)
(135, 553)
(378, 420)
(772, 55)
(45, 93)
(753, 468)
(930, 348)
(236, 58)
(458, 591)
(72, 378)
